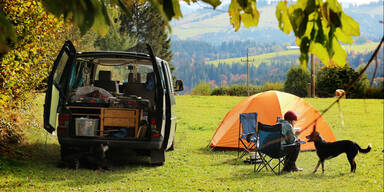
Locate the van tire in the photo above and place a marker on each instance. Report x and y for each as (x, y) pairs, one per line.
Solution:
(158, 157)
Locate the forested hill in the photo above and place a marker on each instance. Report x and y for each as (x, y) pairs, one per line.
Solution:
(203, 39)
(224, 64)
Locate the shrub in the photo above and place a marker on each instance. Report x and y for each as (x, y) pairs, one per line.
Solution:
(272, 86)
(331, 78)
(374, 92)
(297, 80)
(238, 90)
(202, 89)
(220, 91)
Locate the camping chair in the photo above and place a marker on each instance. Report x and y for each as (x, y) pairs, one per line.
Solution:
(270, 148)
(248, 123)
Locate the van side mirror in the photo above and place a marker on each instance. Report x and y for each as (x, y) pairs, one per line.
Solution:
(179, 85)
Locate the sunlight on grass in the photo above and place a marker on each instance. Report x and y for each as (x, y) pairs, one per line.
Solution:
(256, 59)
(192, 167)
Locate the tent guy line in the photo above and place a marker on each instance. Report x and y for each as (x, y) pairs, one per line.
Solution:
(374, 55)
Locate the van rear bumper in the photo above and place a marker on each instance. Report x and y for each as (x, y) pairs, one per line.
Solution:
(114, 143)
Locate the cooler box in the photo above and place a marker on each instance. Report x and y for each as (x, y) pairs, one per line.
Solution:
(86, 126)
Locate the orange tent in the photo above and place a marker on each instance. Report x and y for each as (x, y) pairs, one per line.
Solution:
(268, 106)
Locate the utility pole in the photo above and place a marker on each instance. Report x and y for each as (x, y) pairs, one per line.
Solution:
(312, 75)
(247, 73)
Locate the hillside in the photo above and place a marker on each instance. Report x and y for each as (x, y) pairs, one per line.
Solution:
(224, 64)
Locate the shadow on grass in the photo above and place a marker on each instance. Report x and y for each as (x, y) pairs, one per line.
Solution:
(39, 167)
(249, 174)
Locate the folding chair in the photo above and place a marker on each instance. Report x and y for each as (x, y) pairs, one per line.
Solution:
(270, 148)
(248, 123)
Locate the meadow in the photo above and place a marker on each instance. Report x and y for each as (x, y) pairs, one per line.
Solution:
(194, 167)
(267, 57)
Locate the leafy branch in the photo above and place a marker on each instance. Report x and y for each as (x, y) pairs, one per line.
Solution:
(319, 25)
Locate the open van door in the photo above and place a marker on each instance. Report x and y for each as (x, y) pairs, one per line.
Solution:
(57, 85)
(158, 156)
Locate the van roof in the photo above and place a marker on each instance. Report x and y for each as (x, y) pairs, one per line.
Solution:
(113, 54)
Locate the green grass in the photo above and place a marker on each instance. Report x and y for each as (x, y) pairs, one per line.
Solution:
(257, 59)
(192, 167)
(363, 48)
(266, 57)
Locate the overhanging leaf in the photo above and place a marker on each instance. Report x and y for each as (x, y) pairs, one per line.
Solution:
(214, 3)
(234, 14)
(248, 20)
(320, 52)
(349, 25)
(342, 37)
(334, 6)
(283, 18)
(339, 56)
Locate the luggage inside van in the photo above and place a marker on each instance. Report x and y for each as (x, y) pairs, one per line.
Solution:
(117, 94)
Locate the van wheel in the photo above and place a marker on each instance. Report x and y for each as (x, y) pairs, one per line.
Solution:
(158, 157)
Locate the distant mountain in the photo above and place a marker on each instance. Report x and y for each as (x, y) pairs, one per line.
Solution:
(211, 26)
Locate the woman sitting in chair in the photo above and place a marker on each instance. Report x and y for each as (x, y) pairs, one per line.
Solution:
(287, 132)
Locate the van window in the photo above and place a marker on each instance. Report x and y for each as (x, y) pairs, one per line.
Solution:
(162, 76)
(170, 79)
(60, 68)
(76, 79)
(126, 73)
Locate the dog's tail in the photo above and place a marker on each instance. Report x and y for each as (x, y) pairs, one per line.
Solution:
(368, 149)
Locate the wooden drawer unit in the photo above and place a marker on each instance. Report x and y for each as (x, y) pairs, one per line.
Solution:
(119, 122)
(119, 113)
(110, 117)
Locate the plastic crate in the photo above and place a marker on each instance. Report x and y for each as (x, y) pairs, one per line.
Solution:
(86, 126)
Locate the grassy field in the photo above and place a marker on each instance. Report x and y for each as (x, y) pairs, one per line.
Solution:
(257, 59)
(192, 167)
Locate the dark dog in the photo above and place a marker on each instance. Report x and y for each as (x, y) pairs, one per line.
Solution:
(327, 150)
(94, 159)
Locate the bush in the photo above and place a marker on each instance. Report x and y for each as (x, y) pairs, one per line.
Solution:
(272, 86)
(202, 89)
(331, 78)
(238, 90)
(220, 91)
(241, 90)
(297, 80)
(374, 92)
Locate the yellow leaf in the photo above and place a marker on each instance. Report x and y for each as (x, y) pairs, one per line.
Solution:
(283, 18)
(342, 37)
(340, 56)
(349, 25)
(320, 51)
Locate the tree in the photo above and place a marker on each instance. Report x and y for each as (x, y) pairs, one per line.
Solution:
(145, 23)
(297, 80)
(40, 36)
(332, 78)
(115, 39)
(318, 26)
(202, 89)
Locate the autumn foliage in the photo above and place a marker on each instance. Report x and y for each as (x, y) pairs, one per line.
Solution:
(26, 65)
